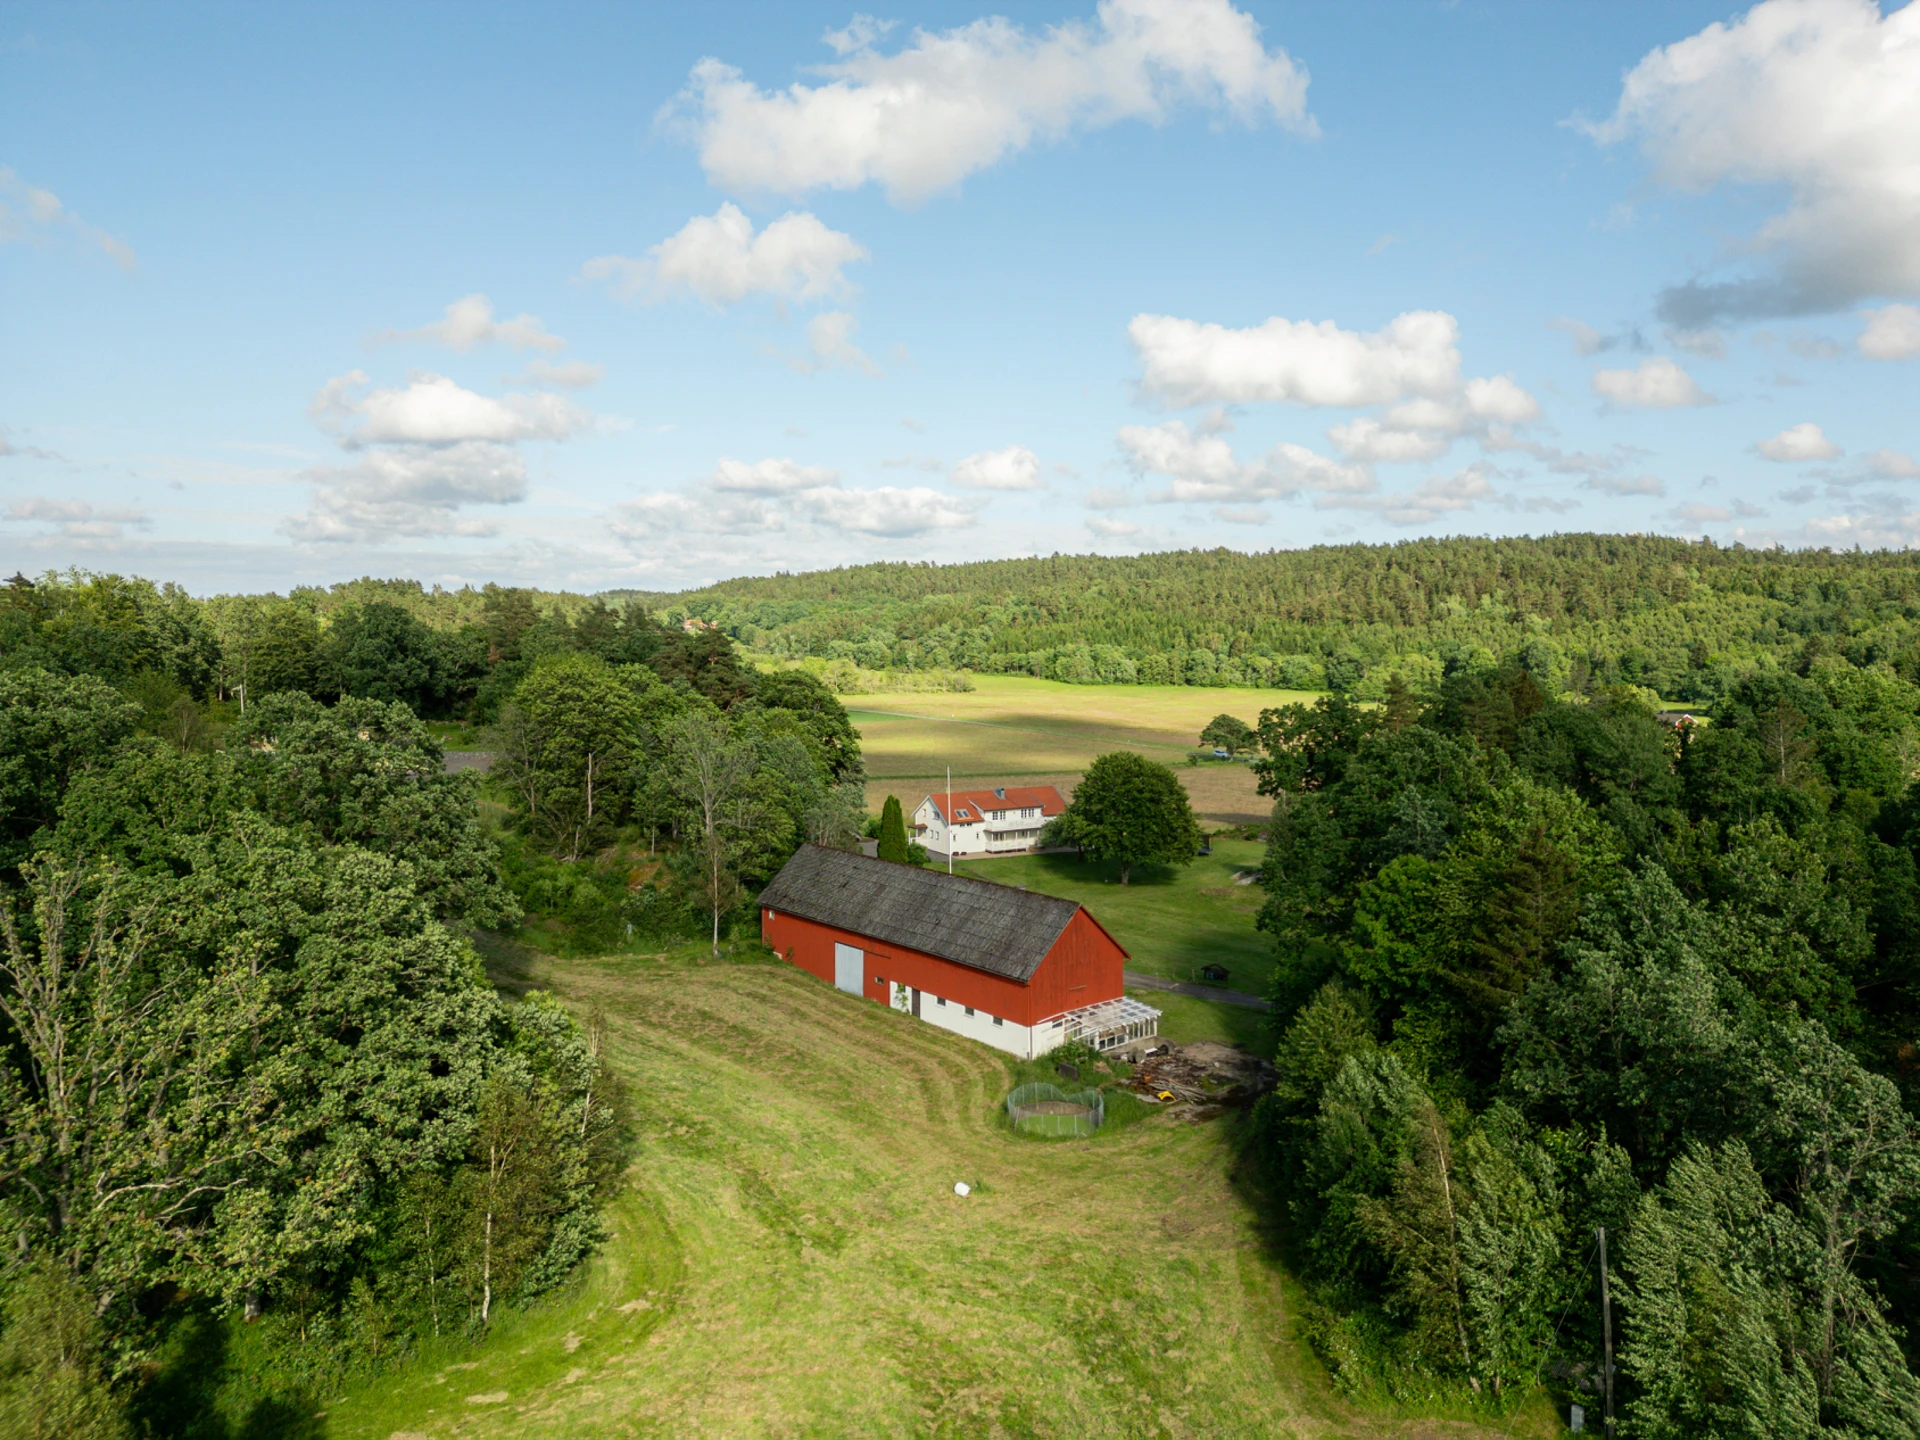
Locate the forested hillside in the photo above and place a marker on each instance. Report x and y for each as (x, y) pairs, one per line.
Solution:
(1680, 618)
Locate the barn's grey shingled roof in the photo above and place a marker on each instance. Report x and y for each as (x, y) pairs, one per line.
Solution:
(996, 928)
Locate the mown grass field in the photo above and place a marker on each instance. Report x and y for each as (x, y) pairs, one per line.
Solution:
(1171, 921)
(788, 1256)
(1038, 725)
(1012, 727)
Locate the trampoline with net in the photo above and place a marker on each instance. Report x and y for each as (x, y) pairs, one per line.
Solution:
(1043, 1109)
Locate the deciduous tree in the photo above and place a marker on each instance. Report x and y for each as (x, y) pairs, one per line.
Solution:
(570, 745)
(1129, 809)
(1228, 733)
(712, 772)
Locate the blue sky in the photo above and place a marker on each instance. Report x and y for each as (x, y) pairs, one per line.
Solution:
(595, 296)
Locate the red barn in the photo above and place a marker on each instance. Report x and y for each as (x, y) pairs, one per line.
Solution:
(1019, 971)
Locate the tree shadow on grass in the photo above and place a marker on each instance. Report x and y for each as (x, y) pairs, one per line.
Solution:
(1069, 867)
(198, 1392)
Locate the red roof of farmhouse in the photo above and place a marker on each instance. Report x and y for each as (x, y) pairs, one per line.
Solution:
(972, 805)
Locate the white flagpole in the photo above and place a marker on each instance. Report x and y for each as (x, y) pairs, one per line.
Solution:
(949, 819)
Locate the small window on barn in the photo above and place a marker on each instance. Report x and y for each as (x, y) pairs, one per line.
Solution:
(998, 1021)
(969, 1009)
(938, 1001)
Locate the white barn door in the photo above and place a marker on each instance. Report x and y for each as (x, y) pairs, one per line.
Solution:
(850, 969)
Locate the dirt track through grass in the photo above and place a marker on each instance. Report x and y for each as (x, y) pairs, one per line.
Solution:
(790, 1259)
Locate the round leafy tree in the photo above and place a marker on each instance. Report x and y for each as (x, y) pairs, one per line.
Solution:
(1228, 733)
(1131, 810)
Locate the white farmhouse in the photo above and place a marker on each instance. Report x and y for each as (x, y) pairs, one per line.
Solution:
(1002, 821)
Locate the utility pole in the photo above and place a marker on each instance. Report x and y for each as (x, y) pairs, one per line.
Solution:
(1606, 1327)
(949, 819)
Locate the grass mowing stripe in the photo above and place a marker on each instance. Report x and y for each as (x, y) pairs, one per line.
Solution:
(788, 1256)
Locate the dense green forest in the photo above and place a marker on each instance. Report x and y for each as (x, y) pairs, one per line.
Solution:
(1549, 966)
(1683, 619)
(264, 1123)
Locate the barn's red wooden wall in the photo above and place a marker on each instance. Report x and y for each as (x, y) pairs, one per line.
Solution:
(1084, 965)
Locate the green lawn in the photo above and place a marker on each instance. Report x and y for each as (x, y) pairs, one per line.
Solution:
(789, 1258)
(1170, 921)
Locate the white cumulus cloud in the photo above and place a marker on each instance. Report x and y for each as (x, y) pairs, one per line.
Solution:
(721, 260)
(1498, 398)
(1203, 467)
(668, 515)
(1799, 442)
(1892, 465)
(1892, 333)
(1014, 468)
(421, 455)
(1657, 383)
(780, 496)
(1411, 367)
(952, 102)
(892, 511)
(1190, 362)
(769, 477)
(435, 410)
(469, 323)
(1819, 97)
(410, 491)
(1366, 439)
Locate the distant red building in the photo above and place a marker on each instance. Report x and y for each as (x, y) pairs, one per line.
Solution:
(1016, 970)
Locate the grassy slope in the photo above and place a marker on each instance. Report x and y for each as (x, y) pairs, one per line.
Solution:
(1171, 922)
(790, 1258)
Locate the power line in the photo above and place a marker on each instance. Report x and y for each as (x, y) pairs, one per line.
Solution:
(1534, 1384)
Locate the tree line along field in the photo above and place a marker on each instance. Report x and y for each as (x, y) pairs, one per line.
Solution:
(788, 1256)
(1681, 618)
